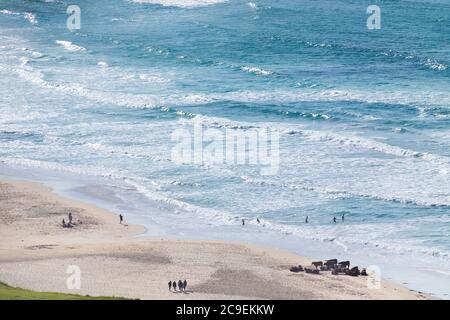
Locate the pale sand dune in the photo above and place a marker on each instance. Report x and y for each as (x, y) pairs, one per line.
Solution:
(35, 252)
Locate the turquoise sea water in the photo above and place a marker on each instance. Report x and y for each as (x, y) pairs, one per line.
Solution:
(363, 117)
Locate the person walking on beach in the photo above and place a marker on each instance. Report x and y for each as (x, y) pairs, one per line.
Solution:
(70, 217)
(334, 219)
(306, 220)
(180, 285)
(174, 285)
(121, 218)
(170, 285)
(64, 223)
(184, 285)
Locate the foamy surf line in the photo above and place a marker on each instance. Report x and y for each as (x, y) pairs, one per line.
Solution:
(181, 3)
(142, 101)
(69, 46)
(26, 15)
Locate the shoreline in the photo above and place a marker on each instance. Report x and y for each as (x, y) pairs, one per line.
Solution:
(36, 251)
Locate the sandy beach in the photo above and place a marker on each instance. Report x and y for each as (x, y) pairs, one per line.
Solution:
(35, 252)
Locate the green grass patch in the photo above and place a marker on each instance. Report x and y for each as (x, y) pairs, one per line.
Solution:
(11, 293)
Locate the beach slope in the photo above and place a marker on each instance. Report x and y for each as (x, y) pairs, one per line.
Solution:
(36, 253)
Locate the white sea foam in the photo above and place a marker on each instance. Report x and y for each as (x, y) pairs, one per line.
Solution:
(420, 162)
(9, 12)
(435, 65)
(30, 17)
(69, 46)
(151, 101)
(430, 63)
(26, 15)
(397, 97)
(53, 166)
(362, 236)
(325, 136)
(370, 144)
(181, 3)
(252, 5)
(23, 61)
(425, 99)
(349, 140)
(256, 70)
(33, 54)
(212, 216)
(119, 99)
(146, 77)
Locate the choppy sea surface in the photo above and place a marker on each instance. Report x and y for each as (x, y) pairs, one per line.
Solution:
(363, 117)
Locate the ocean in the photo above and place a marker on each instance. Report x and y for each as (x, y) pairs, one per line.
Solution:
(363, 118)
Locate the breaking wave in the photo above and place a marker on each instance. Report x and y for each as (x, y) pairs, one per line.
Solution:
(182, 3)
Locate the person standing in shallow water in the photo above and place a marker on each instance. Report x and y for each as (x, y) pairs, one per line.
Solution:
(243, 222)
(334, 219)
(343, 217)
(306, 220)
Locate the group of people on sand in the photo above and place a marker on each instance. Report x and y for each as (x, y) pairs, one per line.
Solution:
(181, 285)
(68, 225)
